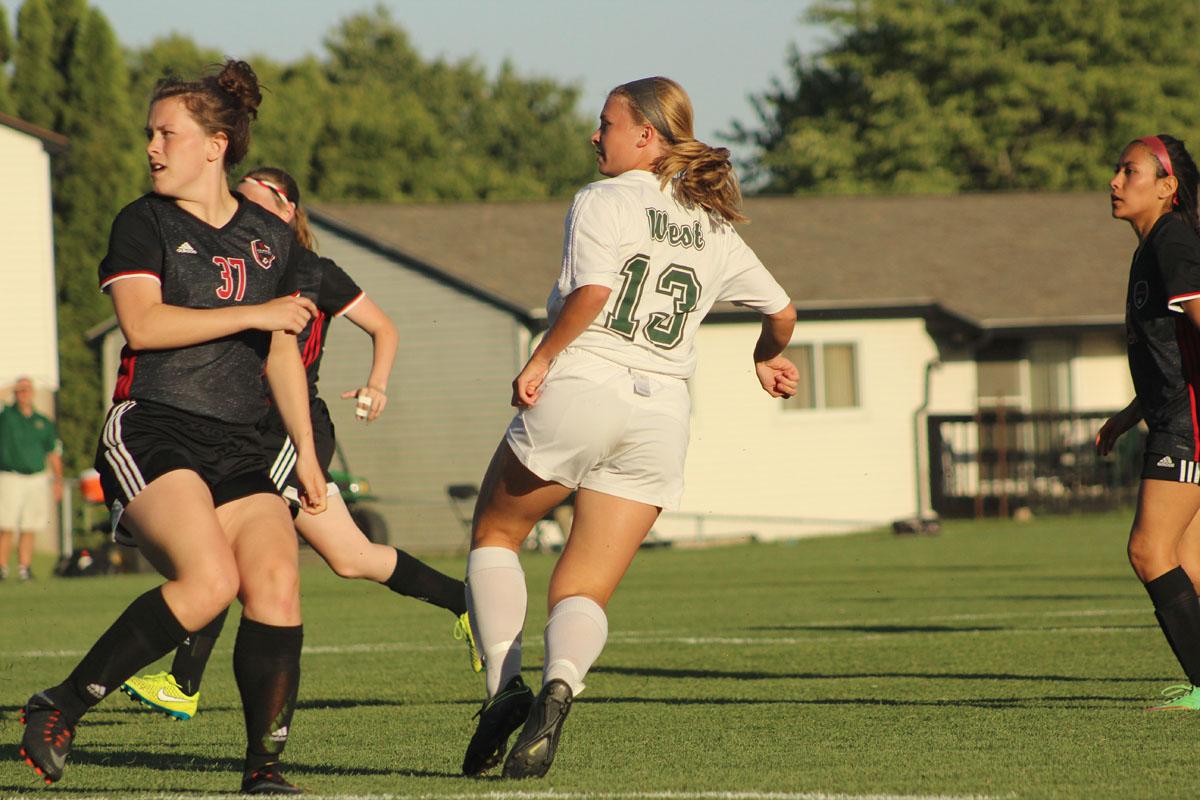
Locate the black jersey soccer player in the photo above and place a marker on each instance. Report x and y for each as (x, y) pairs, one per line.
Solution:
(1155, 191)
(203, 284)
(603, 402)
(333, 534)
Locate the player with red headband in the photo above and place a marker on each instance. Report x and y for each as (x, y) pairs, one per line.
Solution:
(1154, 190)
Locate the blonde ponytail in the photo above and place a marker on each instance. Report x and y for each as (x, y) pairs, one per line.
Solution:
(699, 175)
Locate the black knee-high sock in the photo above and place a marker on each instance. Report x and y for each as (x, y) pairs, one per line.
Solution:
(191, 657)
(145, 631)
(1178, 611)
(417, 579)
(266, 664)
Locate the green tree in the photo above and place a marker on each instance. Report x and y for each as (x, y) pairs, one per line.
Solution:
(952, 95)
(36, 84)
(92, 181)
(375, 121)
(400, 128)
(6, 53)
(173, 55)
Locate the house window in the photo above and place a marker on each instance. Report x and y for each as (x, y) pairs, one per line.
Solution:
(998, 374)
(828, 375)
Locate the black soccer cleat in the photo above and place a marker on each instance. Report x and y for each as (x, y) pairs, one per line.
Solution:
(498, 718)
(268, 780)
(533, 753)
(48, 735)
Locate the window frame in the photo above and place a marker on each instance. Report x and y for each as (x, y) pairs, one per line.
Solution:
(817, 346)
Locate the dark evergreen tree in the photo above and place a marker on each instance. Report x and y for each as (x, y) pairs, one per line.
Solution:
(37, 86)
(99, 174)
(6, 52)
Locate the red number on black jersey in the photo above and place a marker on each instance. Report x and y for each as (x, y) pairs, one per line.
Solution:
(228, 265)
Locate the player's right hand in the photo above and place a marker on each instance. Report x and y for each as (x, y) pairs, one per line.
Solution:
(1112, 429)
(313, 488)
(289, 314)
(527, 386)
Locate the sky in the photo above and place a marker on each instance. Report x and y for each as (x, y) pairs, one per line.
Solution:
(721, 52)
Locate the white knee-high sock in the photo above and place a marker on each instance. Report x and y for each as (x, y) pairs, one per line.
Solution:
(575, 635)
(496, 598)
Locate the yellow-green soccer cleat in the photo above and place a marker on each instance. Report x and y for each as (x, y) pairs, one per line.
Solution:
(1181, 697)
(462, 630)
(162, 693)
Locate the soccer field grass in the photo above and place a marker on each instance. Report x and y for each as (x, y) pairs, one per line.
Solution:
(995, 660)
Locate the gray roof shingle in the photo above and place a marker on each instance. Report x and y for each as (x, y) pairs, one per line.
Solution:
(1000, 260)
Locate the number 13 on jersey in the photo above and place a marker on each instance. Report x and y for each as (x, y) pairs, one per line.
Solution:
(661, 330)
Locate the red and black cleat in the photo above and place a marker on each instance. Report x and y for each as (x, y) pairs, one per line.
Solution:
(47, 739)
(268, 780)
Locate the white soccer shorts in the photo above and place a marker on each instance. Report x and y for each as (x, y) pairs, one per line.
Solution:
(601, 426)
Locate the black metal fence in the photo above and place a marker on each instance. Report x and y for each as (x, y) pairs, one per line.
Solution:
(995, 462)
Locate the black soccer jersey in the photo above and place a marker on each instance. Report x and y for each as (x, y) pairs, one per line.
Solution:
(1164, 344)
(338, 293)
(250, 260)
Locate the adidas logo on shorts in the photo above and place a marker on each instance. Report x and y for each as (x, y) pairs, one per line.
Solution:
(186, 247)
(1166, 461)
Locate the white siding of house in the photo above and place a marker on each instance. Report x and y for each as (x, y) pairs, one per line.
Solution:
(448, 399)
(27, 308)
(812, 470)
(953, 384)
(1100, 374)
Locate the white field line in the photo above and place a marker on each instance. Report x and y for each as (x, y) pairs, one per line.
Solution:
(553, 795)
(650, 637)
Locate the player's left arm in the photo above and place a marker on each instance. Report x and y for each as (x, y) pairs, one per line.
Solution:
(289, 390)
(777, 375)
(579, 310)
(1191, 309)
(367, 315)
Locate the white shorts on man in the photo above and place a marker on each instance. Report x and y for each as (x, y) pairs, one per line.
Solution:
(603, 426)
(24, 501)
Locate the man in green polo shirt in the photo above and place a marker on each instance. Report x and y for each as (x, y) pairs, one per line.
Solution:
(28, 442)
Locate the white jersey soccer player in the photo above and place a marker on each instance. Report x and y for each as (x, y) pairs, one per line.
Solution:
(603, 403)
(615, 411)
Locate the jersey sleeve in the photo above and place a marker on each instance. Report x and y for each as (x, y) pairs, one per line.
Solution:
(135, 249)
(1179, 263)
(339, 293)
(592, 242)
(302, 273)
(748, 283)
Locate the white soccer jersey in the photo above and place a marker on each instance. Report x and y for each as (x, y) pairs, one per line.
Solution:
(666, 265)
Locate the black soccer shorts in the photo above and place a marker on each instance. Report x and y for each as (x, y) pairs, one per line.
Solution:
(142, 441)
(1166, 467)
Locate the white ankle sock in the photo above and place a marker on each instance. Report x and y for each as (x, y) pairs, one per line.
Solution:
(496, 598)
(575, 635)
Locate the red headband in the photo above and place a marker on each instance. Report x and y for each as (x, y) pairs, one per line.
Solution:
(1160, 152)
(283, 198)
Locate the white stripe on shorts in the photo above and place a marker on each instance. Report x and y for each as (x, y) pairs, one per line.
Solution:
(284, 462)
(118, 457)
